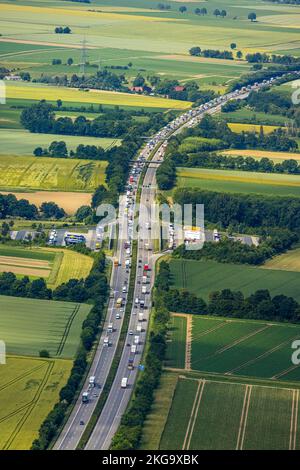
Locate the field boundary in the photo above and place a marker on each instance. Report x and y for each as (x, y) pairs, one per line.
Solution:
(244, 417)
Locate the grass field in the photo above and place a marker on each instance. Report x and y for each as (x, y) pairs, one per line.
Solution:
(22, 142)
(244, 348)
(69, 201)
(51, 93)
(246, 115)
(29, 388)
(24, 172)
(30, 325)
(276, 157)
(202, 277)
(175, 355)
(208, 414)
(239, 181)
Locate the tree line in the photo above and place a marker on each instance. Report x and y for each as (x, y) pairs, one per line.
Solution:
(10, 206)
(96, 284)
(244, 210)
(220, 161)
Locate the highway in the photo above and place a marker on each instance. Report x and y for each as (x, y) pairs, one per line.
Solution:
(119, 397)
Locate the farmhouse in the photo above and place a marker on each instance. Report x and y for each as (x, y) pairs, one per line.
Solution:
(13, 78)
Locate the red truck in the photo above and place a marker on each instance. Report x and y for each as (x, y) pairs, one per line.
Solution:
(146, 267)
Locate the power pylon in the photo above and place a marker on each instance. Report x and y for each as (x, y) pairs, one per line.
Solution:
(84, 56)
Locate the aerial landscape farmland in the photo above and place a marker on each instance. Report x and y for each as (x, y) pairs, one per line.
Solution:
(118, 331)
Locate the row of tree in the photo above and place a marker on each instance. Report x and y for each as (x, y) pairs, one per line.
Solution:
(226, 303)
(272, 242)
(220, 161)
(213, 53)
(10, 206)
(244, 210)
(97, 285)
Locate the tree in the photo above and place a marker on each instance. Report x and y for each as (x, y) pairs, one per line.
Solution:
(217, 12)
(203, 11)
(182, 9)
(233, 45)
(67, 30)
(44, 353)
(252, 16)
(196, 51)
(59, 103)
(58, 149)
(197, 11)
(239, 54)
(83, 213)
(70, 61)
(5, 229)
(52, 210)
(223, 13)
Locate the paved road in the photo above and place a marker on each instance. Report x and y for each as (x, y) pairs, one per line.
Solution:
(82, 412)
(118, 398)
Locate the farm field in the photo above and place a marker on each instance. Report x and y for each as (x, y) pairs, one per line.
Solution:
(239, 181)
(32, 385)
(277, 157)
(244, 347)
(51, 93)
(211, 414)
(24, 172)
(22, 142)
(72, 265)
(246, 115)
(41, 324)
(69, 201)
(239, 127)
(175, 355)
(289, 261)
(57, 265)
(144, 30)
(202, 277)
(26, 262)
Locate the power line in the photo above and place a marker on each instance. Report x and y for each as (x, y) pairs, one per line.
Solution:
(84, 56)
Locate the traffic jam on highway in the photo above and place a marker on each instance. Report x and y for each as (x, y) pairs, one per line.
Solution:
(135, 339)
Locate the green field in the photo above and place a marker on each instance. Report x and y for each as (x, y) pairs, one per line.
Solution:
(29, 388)
(289, 261)
(153, 41)
(21, 142)
(60, 174)
(175, 355)
(202, 277)
(244, 348)
(211, 414)
(239, 182)
(246, 115)
(30, 325)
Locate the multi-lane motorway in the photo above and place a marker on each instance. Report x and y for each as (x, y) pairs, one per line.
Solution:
(119, 397)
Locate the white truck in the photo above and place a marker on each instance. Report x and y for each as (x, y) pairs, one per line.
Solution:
(92, 381)
(85, 397)
(106, 341)
(144, 280)
(144, 289)
(110, 328)
(136, 340)
(141, 316)
(124, 382)
(133, 348)
(139, 328)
